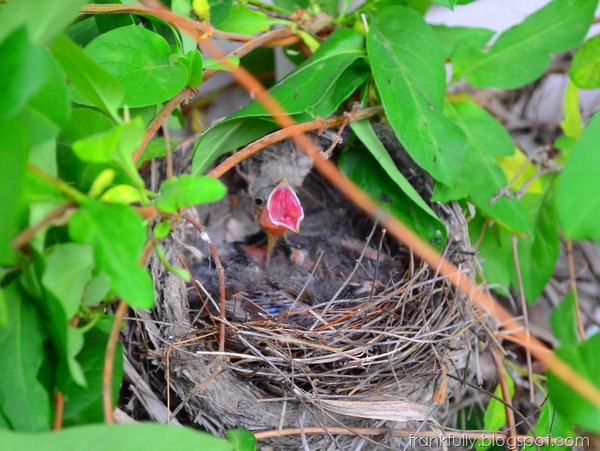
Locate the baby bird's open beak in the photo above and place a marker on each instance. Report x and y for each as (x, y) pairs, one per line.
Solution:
(277, 213)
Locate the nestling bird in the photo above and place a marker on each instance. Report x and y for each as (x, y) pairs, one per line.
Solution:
(277, 210)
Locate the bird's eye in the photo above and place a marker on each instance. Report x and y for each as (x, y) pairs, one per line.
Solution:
(258, 201)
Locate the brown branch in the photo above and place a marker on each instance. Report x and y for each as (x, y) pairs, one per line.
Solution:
(199, 29)
(111, 349)
(109, 361)
(289, 132)
(59, 411)
(220, 272)
(23, 238)
(506, 396)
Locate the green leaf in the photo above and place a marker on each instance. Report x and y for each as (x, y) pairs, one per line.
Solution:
(452, 37)
(162, 229)
(48, 110)
(23, 71)
(114, 146)
(193, 61)
(412, 87)
(564, 322)
(241, 439)
(367, 172)
(122, 194)
(227, 64)
(13, 158)
(43, 21)
(315, 88)
(244, 20)
(578, 207)
(495, 250)
(481, 176)
(95, 291)
(67, 270)
(538, 252)
(585, 68)
(187, 190)
(526, 47)
(572, 126)
(447, 3)
(104, 226)
(24, 402)
(583, 358)
(550, 424)
(140, 60)
(90, 79)
(84, 122)
(83, 405)
(495, 414)
(219, 10)
(289, 5)
(414, 211)
(146, 436)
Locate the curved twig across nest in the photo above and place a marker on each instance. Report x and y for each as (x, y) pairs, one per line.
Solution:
(359, 358)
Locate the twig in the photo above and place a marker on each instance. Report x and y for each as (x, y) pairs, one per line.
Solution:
(59, 411)
(109, 360)
(111, 348)
(290, 132)
(510, 416)
(23, 238)
(62, 186)
(517, 263)
(220, 272)
(573, 286)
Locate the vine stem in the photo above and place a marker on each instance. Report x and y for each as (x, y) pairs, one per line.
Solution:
(510, 415)
(319, 124)
(111, 349)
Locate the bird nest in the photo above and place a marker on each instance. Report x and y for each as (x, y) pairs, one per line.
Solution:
(367, 336)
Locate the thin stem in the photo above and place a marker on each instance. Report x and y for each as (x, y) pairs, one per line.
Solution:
(510, 416)
(63, 187)
(573, 286)
(23, 238)
(109, 362)
(517, 263)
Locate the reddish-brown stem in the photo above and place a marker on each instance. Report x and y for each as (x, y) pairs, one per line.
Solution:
(59, 411)
(23, 238)
(286, 133)
(111, 348)
(506, 396)
(109, 361)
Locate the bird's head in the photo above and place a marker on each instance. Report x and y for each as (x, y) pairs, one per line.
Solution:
(277, 210)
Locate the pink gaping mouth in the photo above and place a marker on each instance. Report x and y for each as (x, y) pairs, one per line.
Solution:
(284, 208)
